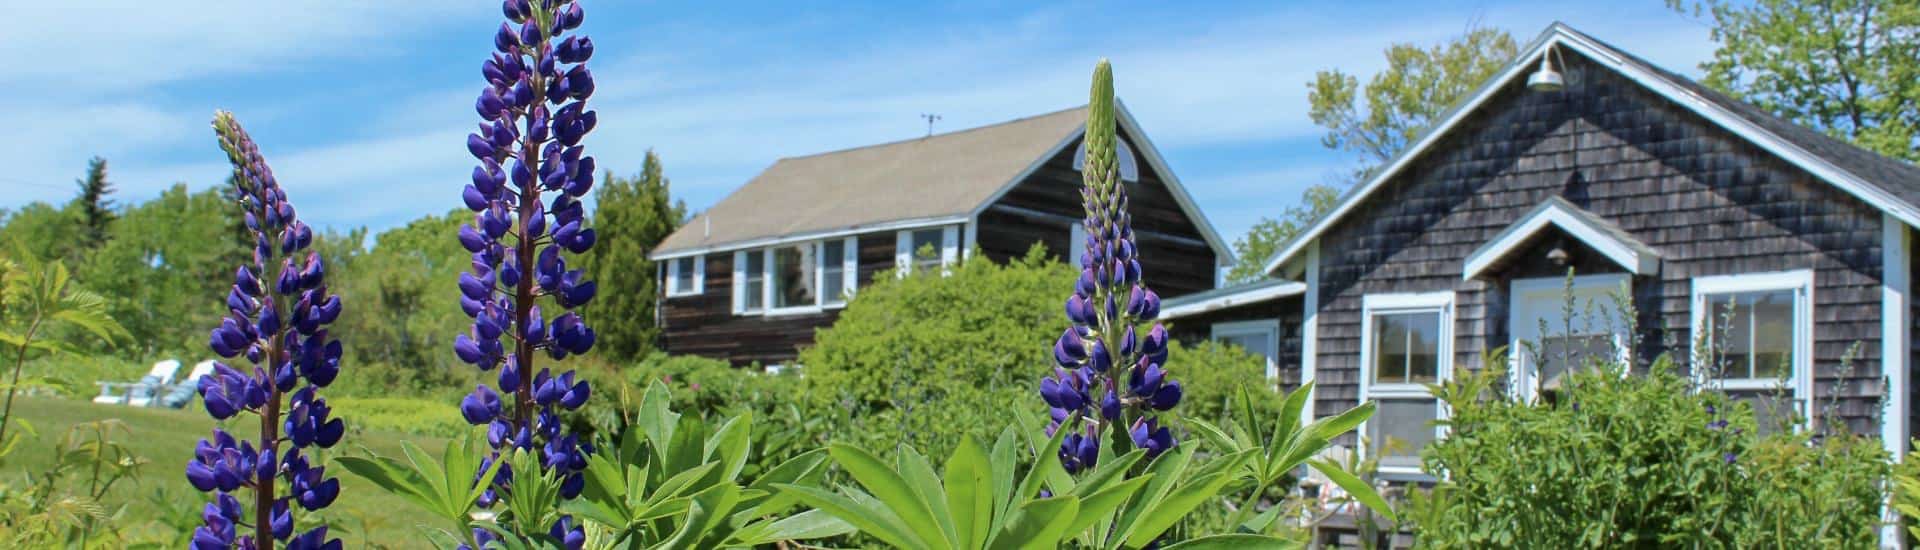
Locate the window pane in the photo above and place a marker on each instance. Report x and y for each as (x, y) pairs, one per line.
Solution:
(756, 280)
(793, 284)
(1562, 354)
(833, 256)
(926, 248)
(1406, 348)
(1400, 428)
(1753, 332)
(683, 278)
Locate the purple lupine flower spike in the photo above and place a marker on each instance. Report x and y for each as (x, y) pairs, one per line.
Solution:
(525, 191)
(1103, 353)
(276, 320)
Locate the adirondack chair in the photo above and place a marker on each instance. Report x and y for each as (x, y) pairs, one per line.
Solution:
(178, 395)
(138, 394)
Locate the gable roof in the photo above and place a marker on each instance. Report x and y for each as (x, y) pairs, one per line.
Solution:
(1597, 233)
(936, 180)
(1891, 185)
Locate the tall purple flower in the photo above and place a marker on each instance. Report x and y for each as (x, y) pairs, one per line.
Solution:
(1109, 375)
(278, 311)
(525, 195)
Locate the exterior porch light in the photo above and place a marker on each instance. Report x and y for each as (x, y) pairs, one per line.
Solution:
(1546, 79)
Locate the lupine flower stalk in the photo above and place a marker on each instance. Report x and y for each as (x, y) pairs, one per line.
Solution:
(278, 310)
(1109, 375)
(525, 195)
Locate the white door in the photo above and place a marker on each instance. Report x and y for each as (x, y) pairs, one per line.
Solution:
(1553, 335)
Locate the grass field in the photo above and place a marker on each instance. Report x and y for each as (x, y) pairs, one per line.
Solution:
(371, 518)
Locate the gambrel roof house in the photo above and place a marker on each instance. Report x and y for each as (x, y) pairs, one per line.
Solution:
(1720, 222)
(751, 278)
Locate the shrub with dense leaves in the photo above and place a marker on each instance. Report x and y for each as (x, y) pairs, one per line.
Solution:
(1640, 461)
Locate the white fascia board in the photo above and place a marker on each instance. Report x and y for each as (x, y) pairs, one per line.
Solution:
(1235, 299)
(810, 236)
(1637, 260)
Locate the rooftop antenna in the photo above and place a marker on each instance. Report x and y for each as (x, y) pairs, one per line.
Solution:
(930, 118)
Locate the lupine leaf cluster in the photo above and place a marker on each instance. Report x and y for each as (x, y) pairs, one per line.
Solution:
(525, 195)
(1109, 375)
(278, 310)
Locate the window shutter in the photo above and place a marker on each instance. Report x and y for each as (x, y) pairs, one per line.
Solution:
(673, 277)
(739, 282)
(1076, 244)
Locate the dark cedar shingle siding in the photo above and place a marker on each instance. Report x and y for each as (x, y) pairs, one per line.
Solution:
(1708, 200)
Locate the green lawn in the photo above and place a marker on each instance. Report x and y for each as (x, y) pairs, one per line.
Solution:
(165, 438)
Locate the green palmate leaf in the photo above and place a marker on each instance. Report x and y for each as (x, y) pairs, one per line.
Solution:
(1167, 469)
(871, 519)
(892, 490)
(1046, 461)
(730, 445)
(656, 420)
(1038, 524)
(430, 471)
(807, 468)
(1328, 428)
(1003, 464)
(970, 484)
(1102, 503)
(1164, 512)
(808, 525)
(1213, 434)
(1239, 541)
(1360, 490)
(920, 476)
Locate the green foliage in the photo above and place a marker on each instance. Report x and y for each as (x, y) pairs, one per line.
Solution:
(162, 259)
(1279, 444)
(1846, 68)
(982, 500)
(400, 312)
(1265, 238)
(1400, 102)
(38, 297)
(1639, 461)
(407, 415)
(1906, 491)
(922, 358)
(43, 230)
(446, 487)
(1213, 376)
(631, 216)
(670, 482)
(95, 209)
(65, 505)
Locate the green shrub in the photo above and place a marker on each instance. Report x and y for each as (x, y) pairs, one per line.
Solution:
(440, 418)
(1212, 374)
(1640, 461)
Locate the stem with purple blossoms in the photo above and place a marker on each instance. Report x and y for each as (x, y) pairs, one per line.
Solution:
(533, 111)
(1103, 347)
(287, 345)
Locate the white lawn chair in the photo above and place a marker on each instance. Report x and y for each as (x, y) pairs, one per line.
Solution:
(178, 395)
(138, 394)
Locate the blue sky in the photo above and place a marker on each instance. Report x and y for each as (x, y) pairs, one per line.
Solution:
(362, 106)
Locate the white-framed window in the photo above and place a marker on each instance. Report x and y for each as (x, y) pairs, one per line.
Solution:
(1754, 341)
(1129, 165)
(749, 282)
(796, 278)
(926, 248)
(1260, 337)
(1406, 343)
(1548, 345)
(686, 276)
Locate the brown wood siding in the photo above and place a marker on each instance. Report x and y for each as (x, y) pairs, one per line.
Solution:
(1174, 254)
(1709, 201)
(705, 324)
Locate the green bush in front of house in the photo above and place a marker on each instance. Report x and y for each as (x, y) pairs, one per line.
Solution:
(1640, 461)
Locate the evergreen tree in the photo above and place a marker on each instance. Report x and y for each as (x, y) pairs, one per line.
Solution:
(632, 215)
(96, 210)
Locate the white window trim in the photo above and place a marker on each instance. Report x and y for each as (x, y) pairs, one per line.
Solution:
(1376, 304)
(699, 277)
(903, 249)
(1800, 381)
(1269, 329)
(740, 284)
(1524, 377)
(850, 278)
